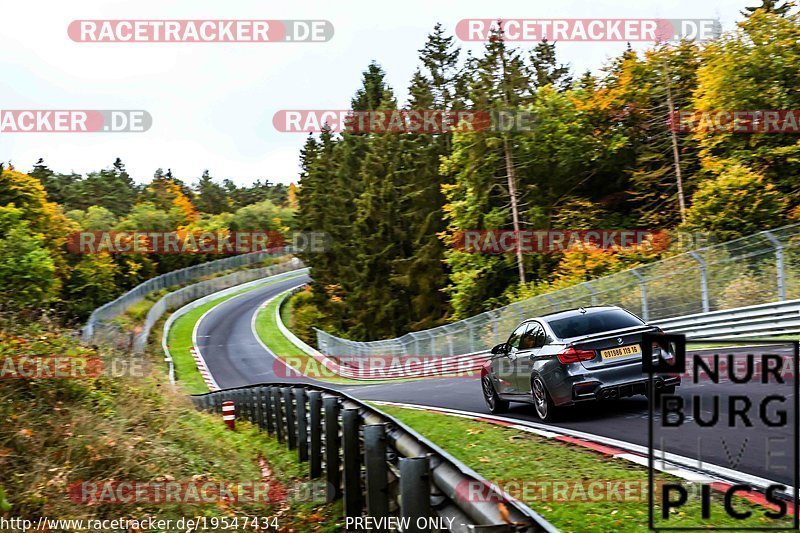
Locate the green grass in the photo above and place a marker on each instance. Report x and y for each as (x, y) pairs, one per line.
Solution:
(179, 341)
(504, 455)
(267, 330)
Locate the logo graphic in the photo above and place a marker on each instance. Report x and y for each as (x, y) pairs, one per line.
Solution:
(728, 435)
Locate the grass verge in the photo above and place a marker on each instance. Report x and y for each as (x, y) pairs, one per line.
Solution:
(506, 456)
(267, 330)
(58, 432)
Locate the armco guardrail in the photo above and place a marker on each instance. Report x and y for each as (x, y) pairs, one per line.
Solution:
(373, 461)
(758, 269)
(100, 328)
(780, 318)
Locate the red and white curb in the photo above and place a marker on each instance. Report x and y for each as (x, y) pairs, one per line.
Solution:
(201, 366)
(720, 478)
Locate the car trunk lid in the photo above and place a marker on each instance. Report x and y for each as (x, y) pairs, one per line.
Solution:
(613, 348)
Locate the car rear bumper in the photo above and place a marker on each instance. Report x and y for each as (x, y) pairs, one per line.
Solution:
(595, 390)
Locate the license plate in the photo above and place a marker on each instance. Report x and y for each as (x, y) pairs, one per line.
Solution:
(622, 351)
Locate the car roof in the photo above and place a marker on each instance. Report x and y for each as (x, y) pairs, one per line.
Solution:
(574, 312)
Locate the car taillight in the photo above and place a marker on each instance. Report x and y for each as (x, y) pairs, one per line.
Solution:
(571, 355)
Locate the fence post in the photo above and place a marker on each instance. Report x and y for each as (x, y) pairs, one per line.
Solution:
(591, 290)
(781, 278)
(332, 462)
(552, 301)
(229, 414)
(377, 470)
(415, 491)
(471, 338)
(291, 435)
(302, 424)
(351, 450)
(315, 430)
(643, 290)
(703, 279)
(276, 401)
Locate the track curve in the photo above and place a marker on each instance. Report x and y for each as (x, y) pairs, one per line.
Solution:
(236, 357)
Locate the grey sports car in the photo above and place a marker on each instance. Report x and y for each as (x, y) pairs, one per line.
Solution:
(565, 358)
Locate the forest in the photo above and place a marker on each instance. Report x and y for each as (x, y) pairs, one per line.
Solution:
(41, 209)
(601, 154)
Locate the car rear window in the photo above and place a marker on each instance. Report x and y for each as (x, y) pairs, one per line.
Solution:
(591, 323)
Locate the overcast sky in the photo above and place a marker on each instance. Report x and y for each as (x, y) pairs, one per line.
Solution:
(212, 103)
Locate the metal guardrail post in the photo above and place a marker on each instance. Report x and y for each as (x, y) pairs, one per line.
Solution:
(703, 280)
(434, 481)
(279, 422)
(377, 479)
(332, 462)
(643, 290)
(351, 452)
(315, 432)
(268, 411)
(781, 277)
(288, 407)
(302, 424)
(415, 492)
(249, 405)
(258, 397)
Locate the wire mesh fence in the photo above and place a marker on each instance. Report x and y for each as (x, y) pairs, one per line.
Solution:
(756, 269)
(101, 326)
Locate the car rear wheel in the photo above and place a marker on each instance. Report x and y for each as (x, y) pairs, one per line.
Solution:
(545, 407)
(493, 401)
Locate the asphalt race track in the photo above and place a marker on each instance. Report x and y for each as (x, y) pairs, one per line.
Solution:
(235, 358)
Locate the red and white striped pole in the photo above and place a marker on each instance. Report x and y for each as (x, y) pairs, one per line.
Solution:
(229, 414)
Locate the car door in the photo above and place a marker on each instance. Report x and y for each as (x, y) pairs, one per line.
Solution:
(503, 364)
(530, 345)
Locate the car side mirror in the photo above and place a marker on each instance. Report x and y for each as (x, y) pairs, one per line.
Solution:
(500, 349)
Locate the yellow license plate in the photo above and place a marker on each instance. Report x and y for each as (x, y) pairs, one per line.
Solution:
(632, 349)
